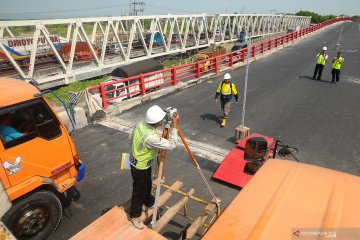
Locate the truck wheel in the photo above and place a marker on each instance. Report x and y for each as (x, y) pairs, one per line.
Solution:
(34, 217)
(25, 62)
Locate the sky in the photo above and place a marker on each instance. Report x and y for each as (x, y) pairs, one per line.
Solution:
(45, 9)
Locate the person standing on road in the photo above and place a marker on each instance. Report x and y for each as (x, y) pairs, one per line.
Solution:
(144, 143)
(336, 66)
(225, 91)
(320, 63)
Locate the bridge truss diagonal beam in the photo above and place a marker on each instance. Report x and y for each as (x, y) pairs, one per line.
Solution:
(116, 41)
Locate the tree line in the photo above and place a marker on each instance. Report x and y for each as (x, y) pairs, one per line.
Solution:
(317, 18)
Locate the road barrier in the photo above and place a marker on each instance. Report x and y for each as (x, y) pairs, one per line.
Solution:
(176, 74)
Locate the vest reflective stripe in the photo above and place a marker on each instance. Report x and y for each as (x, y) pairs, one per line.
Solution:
(321, 60)
(143, 139)
(142, 154)
(337, 63)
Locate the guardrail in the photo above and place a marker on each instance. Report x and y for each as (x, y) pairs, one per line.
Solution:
(140, 85)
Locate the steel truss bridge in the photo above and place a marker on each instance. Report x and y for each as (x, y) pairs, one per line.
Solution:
(116, 41)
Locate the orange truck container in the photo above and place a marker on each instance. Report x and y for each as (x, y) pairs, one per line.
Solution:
(82, 51)
(38, 160)
(290, 200)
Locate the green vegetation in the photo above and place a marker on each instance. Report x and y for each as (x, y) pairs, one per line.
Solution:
(62, 92)
(356, 17)
(176, 62)
(315, 18)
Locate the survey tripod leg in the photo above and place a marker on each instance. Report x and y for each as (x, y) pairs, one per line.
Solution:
(161, 167)
(215, 199)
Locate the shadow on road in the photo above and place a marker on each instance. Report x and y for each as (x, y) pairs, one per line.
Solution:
(225, 184)
(210, 116)
(310, 78)
(72, 194)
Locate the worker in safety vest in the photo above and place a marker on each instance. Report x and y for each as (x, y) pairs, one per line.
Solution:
(320, 63)
(144, 144)
(336, 66)
(225, 91)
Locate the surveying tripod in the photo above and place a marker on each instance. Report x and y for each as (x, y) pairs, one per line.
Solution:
(161, 161)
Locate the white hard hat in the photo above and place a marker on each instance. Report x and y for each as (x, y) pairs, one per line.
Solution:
(227, 76)
(324, 48)
(154, 114)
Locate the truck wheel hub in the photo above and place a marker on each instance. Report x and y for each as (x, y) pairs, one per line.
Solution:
(31, 222)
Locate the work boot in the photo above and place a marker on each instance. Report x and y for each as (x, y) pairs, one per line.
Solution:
(137, 223)
(223, 123)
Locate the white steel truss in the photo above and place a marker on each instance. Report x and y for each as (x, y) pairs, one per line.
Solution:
(109, 42)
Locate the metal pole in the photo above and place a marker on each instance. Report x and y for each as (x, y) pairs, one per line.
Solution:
(160, 173)
(340, 35)
(337, 47)
(246, 80)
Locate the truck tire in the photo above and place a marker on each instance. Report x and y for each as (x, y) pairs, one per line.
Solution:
(34, 217)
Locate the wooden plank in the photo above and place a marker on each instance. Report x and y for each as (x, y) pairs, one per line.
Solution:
(5, 234)
(209, 211)
(163, 199)
(171, 212)
(115, 225)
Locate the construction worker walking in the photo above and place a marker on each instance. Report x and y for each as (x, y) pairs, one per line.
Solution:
(144, 143)
(336, 66)
(225, 91)
(320, 63)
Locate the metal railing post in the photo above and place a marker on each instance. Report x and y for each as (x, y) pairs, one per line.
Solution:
(197, 75)
(103, 95)
(142, 85)
(216, 66)
(252, 51)
(173, 76)
(231, 63)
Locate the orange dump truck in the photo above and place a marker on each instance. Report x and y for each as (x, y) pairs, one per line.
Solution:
(38, 160)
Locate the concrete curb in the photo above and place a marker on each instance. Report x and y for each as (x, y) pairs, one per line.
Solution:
(80, 118)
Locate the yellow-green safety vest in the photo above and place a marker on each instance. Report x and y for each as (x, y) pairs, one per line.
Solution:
(225, 88)
(337, 63)
(142, 154)
(321, 59)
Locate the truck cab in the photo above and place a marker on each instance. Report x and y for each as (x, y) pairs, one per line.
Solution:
(38, 160)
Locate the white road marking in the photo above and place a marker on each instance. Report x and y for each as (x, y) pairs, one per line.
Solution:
(207, 151)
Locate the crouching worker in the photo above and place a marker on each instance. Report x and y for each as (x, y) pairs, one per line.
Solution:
(225, 91)
(145, 142)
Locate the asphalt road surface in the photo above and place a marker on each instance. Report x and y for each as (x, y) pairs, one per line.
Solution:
(321, 119)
